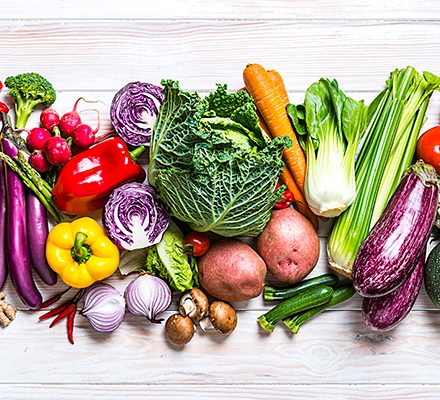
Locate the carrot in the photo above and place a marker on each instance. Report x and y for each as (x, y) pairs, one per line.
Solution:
(287, 178)
(272, 107)
(279, 84)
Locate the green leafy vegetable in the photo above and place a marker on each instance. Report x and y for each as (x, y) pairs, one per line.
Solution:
(331, 126)
(168, 260)
(212, 164)
(396, 117)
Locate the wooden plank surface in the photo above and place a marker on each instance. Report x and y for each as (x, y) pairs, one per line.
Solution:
(91, 49)
(103, 55)
(233, 9)
(218, 392)
(336, 348)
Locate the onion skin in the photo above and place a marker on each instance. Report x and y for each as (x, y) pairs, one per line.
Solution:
(148, 296)
(104, 307)
(133, 112)
(132, 209)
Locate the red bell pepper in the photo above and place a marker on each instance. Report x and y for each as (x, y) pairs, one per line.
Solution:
(86, 181)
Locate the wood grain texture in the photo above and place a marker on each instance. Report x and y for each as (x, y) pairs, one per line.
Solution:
(219, 392)
(335, 348)
(234, 9)
(103, 55)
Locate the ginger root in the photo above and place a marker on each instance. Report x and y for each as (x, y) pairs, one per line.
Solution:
(7, 311)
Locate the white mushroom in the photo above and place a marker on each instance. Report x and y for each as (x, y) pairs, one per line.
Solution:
(194, 304)
(222, 318)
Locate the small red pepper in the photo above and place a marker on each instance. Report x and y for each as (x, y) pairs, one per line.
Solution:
(70, 320)
(4, 108)
(286, 201)
(53, 299)
(86, 181)
(71, 308)
(54, 312)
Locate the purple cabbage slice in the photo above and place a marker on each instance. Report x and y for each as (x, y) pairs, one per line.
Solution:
(134, 110)
(134, 217)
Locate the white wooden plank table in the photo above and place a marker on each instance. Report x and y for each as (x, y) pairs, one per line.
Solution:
(91, 49)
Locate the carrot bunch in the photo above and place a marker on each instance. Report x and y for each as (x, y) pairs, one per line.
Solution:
(271, 98)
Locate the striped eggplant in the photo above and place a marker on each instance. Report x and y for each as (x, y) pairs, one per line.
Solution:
(17, 251)
(37, 234)
(3, 267)
(390, 252)
(386, 312)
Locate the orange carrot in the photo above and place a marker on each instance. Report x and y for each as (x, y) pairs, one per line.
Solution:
(279, 84)
(263, 90)
(287, 178)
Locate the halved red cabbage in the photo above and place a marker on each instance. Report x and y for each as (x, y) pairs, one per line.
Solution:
(134, 110)
(134, 217)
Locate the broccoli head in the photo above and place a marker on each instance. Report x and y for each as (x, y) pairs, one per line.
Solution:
(29, 89)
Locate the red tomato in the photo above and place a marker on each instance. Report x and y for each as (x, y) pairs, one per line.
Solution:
(428, 148)
(199, 242)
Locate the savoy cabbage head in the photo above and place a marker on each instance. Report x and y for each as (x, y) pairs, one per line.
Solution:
(212, 164)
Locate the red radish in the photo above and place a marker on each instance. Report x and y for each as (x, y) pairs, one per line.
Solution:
(69, 121)
(83, 136)
(39, 162)
(57, 150)
(49, 118)
(36, 138)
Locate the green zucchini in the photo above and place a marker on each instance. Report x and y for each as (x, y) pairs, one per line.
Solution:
(271, 293)
(310, 298)
(432, 275)
(340, 294)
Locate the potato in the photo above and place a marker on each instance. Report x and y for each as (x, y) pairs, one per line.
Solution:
(232, 271)
(289, 245)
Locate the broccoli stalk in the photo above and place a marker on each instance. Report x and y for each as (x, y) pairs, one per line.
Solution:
(29, 89)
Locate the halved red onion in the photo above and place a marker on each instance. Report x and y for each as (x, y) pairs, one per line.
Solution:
(148, 296)
(104, 307)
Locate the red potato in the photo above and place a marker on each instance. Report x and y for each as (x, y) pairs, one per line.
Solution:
(289, 245)
(232, 271)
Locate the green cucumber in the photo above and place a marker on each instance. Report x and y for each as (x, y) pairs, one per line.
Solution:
(271, 293)
(432, 275)
(310, 298)
(340, 294)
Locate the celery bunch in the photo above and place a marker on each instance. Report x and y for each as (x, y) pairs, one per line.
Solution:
(396, 117)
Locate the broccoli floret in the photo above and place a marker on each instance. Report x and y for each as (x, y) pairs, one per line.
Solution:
(29, 89)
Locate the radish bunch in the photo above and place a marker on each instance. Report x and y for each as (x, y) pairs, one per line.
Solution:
(51, 145)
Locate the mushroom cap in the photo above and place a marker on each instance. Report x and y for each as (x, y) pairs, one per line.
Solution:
(179, 330)
(223, 317)
(194, 304)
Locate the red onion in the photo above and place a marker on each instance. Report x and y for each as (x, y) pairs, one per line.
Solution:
(148, 296)
(104, 307)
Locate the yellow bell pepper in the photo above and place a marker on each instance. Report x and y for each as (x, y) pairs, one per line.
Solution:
(81, 253)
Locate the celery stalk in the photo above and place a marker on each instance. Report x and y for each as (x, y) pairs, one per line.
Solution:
(397, 116)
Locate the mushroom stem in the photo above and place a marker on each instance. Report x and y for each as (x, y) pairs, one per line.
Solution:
(187, 306)
(206, 325)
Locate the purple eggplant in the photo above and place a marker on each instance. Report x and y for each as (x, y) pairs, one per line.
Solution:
(390, 252)
(386, 312)
(36, 216)
(3, 267)
(17, 251)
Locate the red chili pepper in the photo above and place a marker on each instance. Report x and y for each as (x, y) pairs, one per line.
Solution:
(70, 308)
(53, 299)
(4, 108)
(70, 320)
(286, 201)
(54, 312)
(86, 181)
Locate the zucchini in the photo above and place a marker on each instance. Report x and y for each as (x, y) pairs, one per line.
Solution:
(272, 293)
(432, 275)
(340, 294)
(310, 298)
